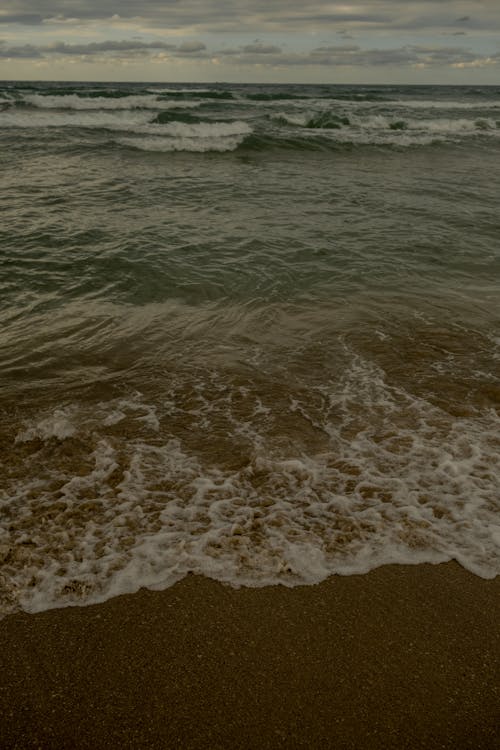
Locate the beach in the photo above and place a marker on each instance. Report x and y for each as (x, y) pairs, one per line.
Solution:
(403, 657)
(250, 416)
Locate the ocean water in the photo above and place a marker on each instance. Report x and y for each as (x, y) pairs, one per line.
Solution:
(250, 332)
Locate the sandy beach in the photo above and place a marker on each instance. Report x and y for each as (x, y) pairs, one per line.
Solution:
(249, 336)
(403, 657)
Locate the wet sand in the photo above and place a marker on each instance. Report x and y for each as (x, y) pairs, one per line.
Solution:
(404, 657)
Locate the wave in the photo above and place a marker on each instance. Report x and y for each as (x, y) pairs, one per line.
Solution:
(198, 93)
(201, 145)
(195, 137)
(122, 120)
(178, 132)
(333, 130)
(332, 96)
(83, 91)
(321, 120)
(445, 126)
(178, 90)
(175, 126)
(110, 498)
(436, 104)
(179, 115)
(354, 97)
(328, 120)
(270, 97)
(77, 102)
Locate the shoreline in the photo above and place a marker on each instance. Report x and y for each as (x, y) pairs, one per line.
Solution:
(401, 657)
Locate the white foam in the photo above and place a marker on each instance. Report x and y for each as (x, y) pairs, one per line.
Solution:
(111, 120)
(383, 129)
(300, 119)
(443, 125)
(392, 480)
(135, 101)
(436, 104)
(182, 144)
(198, 137)
(194, 91)
(377, 129)
(172, 136)
(206, 129)
(142, 412)
(58, 425)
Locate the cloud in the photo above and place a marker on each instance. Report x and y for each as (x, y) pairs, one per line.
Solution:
(355, 56)
(30, 19)
(22, 52)
(257, 53)
(61, 48)
(481, 62)
(191, 47)
(283, 32)
(259, 15)
(344, 34)
(261, 49)
(125, 47)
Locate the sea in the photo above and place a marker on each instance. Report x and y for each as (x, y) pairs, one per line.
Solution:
(249, 332)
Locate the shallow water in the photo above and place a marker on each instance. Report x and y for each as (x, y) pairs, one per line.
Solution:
(249, 332)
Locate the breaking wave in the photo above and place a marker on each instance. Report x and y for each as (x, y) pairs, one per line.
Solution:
(195, 137)
(169, 119)
(74, 101)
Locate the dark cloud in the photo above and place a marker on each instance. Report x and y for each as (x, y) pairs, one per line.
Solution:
(229, 52)
(62, 48)
(123, 48)
(30, 19)
(260, 15)
(345, 55)
(355, 56)
(262, 19)
(329, 18)
(23, 52)
(191, 47)
(262, 49)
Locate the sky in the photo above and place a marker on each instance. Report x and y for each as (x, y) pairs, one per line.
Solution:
(283, 41)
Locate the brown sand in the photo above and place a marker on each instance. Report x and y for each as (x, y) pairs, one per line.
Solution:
(404, 657)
